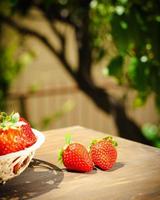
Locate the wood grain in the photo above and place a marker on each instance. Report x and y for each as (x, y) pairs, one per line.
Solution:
(135, 176)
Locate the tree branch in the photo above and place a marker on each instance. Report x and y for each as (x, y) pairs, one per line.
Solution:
(59, 35)
(27, 31)
(53, 13)
(85, 60)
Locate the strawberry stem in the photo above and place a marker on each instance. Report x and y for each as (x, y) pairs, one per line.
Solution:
(60, 153)
(68, 138)
(110, 139)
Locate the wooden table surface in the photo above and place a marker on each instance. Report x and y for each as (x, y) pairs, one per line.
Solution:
(135, 176)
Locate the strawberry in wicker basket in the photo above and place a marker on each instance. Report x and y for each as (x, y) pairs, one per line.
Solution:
(18, 143)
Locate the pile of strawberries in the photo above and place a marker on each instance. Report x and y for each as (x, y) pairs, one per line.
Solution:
(15, 133)
(102, 154)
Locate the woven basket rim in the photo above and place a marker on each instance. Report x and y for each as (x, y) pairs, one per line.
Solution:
(40, 139)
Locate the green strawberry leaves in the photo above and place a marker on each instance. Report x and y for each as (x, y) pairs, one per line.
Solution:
(108, 138)
(15, 117)
(68, 139)
(10, 121)
(60, 153)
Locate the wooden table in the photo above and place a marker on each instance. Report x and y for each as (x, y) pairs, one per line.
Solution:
(135, 176)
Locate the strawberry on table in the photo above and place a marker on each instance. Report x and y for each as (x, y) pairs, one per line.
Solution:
(15, 133)
(75, 157)
(103, 153)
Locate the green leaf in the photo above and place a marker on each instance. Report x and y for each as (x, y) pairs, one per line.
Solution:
(68, 138)
(94, 141)
(15, 117)
(120, 33)
(150, 131)
(157, 102)
(60, 153)
(115, 67)
(140, 99)
(157, 143)
(132, 68)
(139, 75)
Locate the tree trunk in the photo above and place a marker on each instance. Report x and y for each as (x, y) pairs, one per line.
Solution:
(127, 128)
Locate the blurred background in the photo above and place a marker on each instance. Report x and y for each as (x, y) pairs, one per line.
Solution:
(93, 63)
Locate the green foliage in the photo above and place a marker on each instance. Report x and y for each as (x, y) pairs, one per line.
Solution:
(115, 67)
(138, 74)
(140, 99)
(152, 133)
(135, 27)
(99, 23)
(9, 67)
(157, 98)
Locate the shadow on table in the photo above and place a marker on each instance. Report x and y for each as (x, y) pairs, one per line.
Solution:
(117, 166)
(94, 171)
(40, 177)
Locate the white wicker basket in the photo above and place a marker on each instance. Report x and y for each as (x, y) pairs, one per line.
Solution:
(13, 164)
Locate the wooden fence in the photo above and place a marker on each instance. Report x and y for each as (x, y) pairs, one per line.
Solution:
(66, 106)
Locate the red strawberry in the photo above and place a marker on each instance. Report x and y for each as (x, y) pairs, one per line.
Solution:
(18, 166)
(15, 133)
(104, 153)
(30, 138)
(75, 157)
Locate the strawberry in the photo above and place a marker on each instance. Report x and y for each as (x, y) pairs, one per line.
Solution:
(15, 133)
(75, 157)
(18, 166)
(30, 138)
(104, 153)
